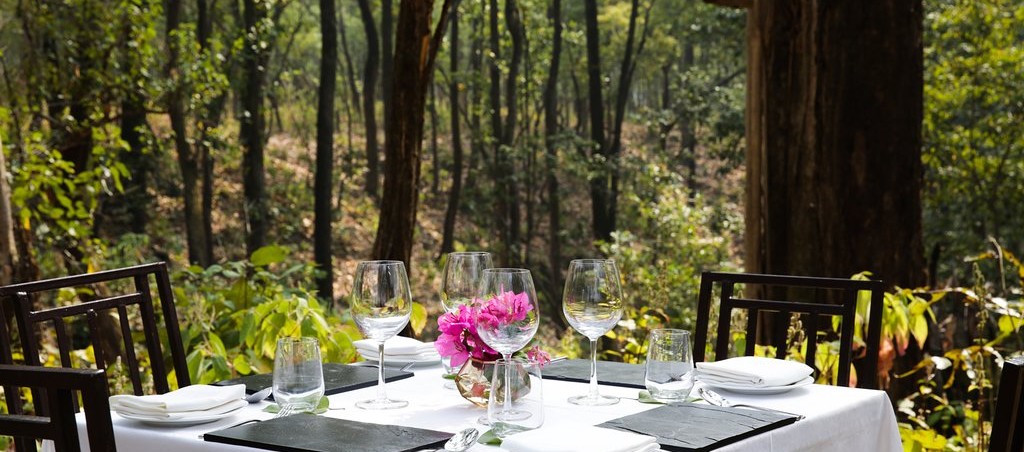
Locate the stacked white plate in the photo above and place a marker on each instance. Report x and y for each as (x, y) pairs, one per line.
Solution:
(755, 375)
(399, 351)
(196, 404)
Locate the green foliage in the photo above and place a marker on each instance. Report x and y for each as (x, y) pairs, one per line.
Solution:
(233, 314)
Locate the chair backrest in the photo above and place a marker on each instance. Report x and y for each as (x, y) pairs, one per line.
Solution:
(60, 425)
(1008, 422)
(97, 313)
(819, 300)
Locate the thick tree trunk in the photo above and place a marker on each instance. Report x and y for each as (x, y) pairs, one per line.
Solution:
(551, 131)
(600, 185)
(835, 101)
(251, 133)
(448, 236)
(414, 65)
(369, 99)
(324, 177)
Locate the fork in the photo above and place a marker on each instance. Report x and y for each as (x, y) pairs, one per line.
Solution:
(286, 410)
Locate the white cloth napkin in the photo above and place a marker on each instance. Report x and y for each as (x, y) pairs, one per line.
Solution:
(753, 371)
(397, 347)
(588, 438)
(202, 399)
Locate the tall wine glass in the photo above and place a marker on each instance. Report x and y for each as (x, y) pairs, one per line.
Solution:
(381, 304)
(460, 279)
(592, 303)
(508, 320)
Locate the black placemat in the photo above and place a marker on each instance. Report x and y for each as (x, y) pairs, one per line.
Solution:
(608, 372)
(310, 433)
(691, 427)
(337, 378)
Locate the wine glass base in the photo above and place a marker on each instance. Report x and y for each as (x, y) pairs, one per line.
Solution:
(588, 400)
(512, 415)
(382, 404)
(483, 420)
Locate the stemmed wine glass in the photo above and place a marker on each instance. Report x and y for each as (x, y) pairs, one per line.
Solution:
(508, 320)
(381, 305)
(460, 282)
(592, 303)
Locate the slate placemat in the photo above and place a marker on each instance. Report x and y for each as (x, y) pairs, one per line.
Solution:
(608, 372)
(310, 433)
(691, 427)
(337, 378)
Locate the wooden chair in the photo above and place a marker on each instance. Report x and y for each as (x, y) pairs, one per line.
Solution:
(32, 321)
(828, 298)
(60, 427)
(1008, 422)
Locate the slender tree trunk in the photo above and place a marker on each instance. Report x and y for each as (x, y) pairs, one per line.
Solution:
(435, 167)
(600, 185)
(387, 34)
(507, 140)
(136, 197)
(475, 102)
(209, 119)
(8, 252)
(414, 66)
(448, 236)
(251, 133)
(551, 131)
(324, 178)
(351, 108)
(369, 99)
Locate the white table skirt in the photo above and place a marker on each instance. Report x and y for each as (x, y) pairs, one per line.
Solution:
(837, 419)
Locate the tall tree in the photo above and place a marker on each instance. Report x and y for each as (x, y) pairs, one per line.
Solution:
(325, 151)
(835, 100)
(208, 120)
(387, 35)
(551, 131)
(255, 56)
(506, 140)
(416, 48)
(8, 252)
(455, 191)
(370, 97)
(600, 184)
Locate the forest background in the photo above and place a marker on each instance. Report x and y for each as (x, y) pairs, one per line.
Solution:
(210, 134)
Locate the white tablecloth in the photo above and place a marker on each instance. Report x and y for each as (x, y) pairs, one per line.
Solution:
(837, 419)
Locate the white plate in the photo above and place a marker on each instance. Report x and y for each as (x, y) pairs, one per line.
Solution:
(179, 422)
(746, 389)
(399, 362)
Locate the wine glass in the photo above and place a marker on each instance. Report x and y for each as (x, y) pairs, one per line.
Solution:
(508, 320)
(381, 305)
(460, 281)
(592, 303)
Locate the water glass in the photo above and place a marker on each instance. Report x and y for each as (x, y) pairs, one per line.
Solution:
(298, 373)
(525, 408)
(669, 371)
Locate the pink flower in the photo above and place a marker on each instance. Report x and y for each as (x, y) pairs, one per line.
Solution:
(458, 339)
(540, 356)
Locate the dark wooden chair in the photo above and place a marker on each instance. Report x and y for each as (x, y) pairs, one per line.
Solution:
(59, 426)
(95, 311)
(1008, 422)
(817, 301)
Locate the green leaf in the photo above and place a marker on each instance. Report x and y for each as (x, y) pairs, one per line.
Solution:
(489, 438)
(645, 397)
(418, 319)
(271, 254)
(217, 345)
(242, 365)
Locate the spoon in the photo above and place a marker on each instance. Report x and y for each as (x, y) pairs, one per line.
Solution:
(462, 440)
(258, 396)
(717, 399)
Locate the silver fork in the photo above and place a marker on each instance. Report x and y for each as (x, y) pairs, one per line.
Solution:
(286, 410)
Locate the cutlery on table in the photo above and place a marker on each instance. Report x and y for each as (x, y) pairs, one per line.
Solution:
(258, 396)
(717, 399)
(462, 441)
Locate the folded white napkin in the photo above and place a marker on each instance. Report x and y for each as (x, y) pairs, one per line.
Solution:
(182, 415)
(753, 371)
(396, 346)
(588, 438)
(195, 398)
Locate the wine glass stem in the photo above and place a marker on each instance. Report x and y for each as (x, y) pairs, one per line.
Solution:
(593, 369)
(381, 393)
(507, 403)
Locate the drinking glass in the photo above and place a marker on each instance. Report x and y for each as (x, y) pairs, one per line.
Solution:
(298, 374)
(381, 304)
(508, 320)
(460, 281)
(669, 375)
(527, 396)
(592, 303)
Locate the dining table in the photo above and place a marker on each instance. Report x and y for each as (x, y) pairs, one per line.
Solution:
(834, 418)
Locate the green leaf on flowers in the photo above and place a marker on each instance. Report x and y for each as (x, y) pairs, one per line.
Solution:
(645, 397)
(489, 438)
(321, 407)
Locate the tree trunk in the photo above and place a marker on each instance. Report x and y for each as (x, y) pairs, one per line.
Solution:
(414, 65)
(387, 34)
(551, 131)
(252, 123)
(208, 120)
(600, 185)
(369, 99)
(507, 168)
(8, 252)
(475, 102)
(435, 167)
(835, 100)
(501, 205)
(188, 164)
(448, 236)
(135, 199)
(324, 178)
